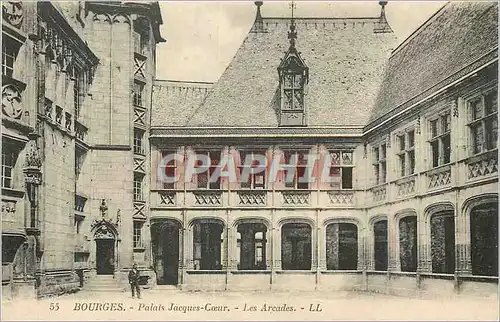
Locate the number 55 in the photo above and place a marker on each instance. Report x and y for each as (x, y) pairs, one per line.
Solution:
(54, 306)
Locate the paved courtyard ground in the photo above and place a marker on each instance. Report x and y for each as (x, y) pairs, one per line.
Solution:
(205, 306)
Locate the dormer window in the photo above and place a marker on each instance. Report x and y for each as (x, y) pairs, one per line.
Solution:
(293, 75)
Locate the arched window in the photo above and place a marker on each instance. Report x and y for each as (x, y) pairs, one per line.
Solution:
(484, 239)
(408, 243)
(296, 248)
(207, 245)
(380, 245)
(443, 242)
(251, 245)
(341, 246)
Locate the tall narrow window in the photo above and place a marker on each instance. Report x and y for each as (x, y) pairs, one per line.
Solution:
(483, 122)
(443, 242)
(406, 153)
(341, 169)
(9, 158)
(408, 243)
(139, 94)
(10, 49)
(253, 180)
(440, 128)
(138, 181)
(170, 170)
(380, 245)
(300, 175)
(380, 164)
(138, 141)
(138, 234)
(484, 239)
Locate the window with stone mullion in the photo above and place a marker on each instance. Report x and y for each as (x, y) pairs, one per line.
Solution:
(293, 91)
(9, 157)
(406, 153)
(440, 129)
(483, 123)
(380, 164)
(254, 180)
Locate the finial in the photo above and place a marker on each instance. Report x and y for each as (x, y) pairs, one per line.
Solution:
(258, 25)
(292, 34)
(382, 11)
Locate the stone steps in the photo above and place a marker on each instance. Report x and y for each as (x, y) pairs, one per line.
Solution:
(103, 283)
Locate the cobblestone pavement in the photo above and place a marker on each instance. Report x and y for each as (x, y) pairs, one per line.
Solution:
(205, 306)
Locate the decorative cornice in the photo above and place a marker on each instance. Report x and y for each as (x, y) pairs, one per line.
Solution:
(159, 132)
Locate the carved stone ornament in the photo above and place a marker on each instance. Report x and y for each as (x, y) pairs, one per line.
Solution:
(104, 232)
(104, 229)
(33, 177)
(454, 107)
(33, 159)
(103, 208)
(8, 208)
(11, 102)
(12, 12)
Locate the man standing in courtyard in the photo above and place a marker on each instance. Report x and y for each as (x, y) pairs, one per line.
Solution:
(133, 279)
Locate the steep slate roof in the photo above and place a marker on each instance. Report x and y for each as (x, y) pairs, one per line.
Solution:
(174, 101)
(345, 57)
(456, 37)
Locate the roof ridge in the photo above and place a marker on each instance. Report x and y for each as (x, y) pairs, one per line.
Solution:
(422, 26)
(320, 18)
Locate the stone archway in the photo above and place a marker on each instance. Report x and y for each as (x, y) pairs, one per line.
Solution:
(166, 237)
(106, 253)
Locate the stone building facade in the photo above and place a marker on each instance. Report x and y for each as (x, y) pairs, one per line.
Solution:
(76, 87)
(411, 134)
(408, 131)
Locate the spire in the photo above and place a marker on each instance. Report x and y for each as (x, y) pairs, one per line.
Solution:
(258, 25)
(292, 34)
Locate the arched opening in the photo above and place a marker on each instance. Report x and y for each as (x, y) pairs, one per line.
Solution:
(207, 244)
(443, 242)
(380, 245)
(296, 246)
(165, 240)
(341, 246)
(408, 243)
(105, 239)
(251, 244)
(484, 239)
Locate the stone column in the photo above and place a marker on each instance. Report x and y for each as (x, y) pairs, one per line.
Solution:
(321, 248)
(392, 245)
(188, 248)
(247, 242)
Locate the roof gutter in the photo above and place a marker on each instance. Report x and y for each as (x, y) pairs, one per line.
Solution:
(430, 96)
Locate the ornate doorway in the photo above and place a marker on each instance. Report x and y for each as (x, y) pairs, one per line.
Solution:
(105, 256)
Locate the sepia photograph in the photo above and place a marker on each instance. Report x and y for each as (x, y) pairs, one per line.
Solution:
(249, 160)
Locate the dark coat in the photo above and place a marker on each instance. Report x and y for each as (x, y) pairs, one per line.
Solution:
(133, 276)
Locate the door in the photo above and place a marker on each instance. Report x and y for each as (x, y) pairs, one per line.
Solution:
(105, 256)
(171, 256)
